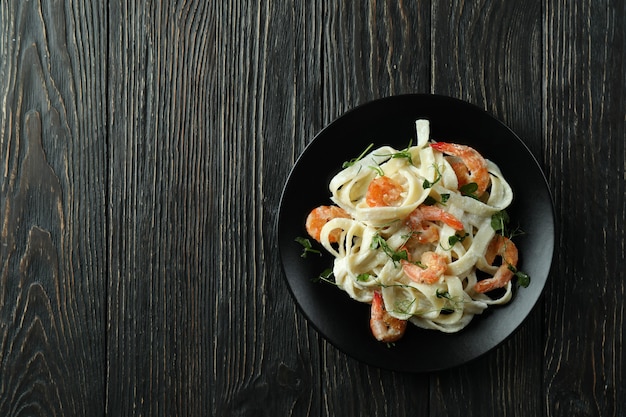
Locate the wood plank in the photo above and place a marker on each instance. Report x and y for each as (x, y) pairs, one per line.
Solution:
(372, 50)
(53, 245)
(585, 109)
(275, 47)
(164, 255)
(489, 54)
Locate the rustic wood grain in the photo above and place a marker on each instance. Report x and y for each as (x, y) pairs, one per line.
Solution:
(52, 279)
(584, 123)
(144, 146)
(264, 364)
(164, 208)
(372, 50)
(289, 114)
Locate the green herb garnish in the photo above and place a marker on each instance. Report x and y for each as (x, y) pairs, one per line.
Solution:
(420, 264)
(306, 247)
(405, 153)
(378, 170)
(469, 190)
(431, 201)
(427, 184)
(404, 306)
(326, 276)
(358, 158)
(451, 304)
(378, 242)
(363, 277)
(523, 279)
(500, 222)
(442, 294)
(454, 239)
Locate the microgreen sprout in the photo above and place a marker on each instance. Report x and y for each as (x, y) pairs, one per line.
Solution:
(405, 153)
(469, 190)
(431, 201)
(363, 277)
(454, 239)
(499, 220)
(378, 242)
(420, 264)
(404, 306)
(428, 184)
(378, 170)
(358, 158)
(451, 304)
(326, 276)
(307, 247)
(442, 294)
(523, 279)
(499, 223)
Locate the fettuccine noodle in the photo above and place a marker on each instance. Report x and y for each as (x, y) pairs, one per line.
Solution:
(379, 242)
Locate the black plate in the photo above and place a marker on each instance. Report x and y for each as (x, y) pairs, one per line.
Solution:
(391, 121)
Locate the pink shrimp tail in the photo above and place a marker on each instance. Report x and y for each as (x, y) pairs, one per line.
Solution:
(505, 248)
(473, 160)
(385, 327)
(433, 213)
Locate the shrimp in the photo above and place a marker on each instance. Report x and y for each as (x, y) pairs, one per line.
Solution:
(475, 165)
(383, 192)
(504, 247)
(321, 215)
(385, 327)
(427, 233)
(460, 170)
(434, 265)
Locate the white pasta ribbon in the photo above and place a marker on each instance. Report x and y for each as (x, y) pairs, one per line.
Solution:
(362, 265)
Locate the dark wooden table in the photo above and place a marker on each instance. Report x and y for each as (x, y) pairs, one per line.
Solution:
(144, 145)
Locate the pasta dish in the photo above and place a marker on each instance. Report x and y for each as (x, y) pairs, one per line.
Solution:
(420, 234)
